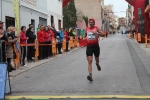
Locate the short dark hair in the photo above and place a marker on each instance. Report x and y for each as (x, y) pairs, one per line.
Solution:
(30, 25)
(22, 27)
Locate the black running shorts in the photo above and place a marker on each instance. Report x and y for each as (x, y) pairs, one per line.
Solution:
(93, 49)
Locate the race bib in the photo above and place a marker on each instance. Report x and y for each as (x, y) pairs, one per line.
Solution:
(91, 36)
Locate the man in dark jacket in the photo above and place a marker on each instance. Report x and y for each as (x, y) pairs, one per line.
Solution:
(31, 39)
(57, 35)
(27, 32)
(54, 30)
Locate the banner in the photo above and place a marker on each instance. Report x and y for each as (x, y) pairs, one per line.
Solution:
(3, 78)
(17, 15)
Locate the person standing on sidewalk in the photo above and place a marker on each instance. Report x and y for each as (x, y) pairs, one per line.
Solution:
(92, 34)
(11, 40)
(31, 38)
(47, 41)
(23, 40)
(41, 40)
(66, 35)
(61, 36)
(106, 33)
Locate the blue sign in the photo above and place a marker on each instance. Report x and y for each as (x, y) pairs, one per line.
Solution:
(3, 76)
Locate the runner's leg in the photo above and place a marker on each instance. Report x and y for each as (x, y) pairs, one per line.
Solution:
(97, 53)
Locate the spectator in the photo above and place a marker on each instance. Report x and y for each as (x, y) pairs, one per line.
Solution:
(71, 33)
(11, 39)
(74, 32)
(61, 36)
(38, 28)
(106, 33)
(28, 30)
(56, 34)
(31, 38)
(23, 40)
(47, 41)
(66, 35)
(54, 30)
(41, 41)
(52, 35)
(27, 33)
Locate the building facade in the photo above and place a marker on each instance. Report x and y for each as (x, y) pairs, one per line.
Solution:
(90, 9)
(32, 12)
(110, 18)
(55, 14)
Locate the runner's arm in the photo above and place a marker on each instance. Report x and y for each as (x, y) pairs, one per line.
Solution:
(85, 34)
(101, 33)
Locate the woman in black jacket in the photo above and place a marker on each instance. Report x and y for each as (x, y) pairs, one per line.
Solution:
(31, 39)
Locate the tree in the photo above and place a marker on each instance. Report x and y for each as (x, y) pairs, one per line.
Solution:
(86, 20)
(70, 17)
(118, 28)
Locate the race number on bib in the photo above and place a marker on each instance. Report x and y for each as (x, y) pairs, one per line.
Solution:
(91, 36)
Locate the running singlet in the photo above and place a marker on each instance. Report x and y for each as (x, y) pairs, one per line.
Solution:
(92, 38)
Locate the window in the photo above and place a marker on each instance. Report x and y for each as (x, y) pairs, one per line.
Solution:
(52, 20)
(59, 24)
(9, 21)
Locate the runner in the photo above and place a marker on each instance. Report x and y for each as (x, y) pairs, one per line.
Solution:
(92, 34)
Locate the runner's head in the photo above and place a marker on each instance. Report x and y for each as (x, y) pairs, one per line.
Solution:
(91, 22)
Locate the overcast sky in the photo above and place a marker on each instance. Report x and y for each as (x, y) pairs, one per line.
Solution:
(119, 5)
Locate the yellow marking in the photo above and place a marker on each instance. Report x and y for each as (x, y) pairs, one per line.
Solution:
(82, 97)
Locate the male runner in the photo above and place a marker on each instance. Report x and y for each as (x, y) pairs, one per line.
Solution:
(92, 34)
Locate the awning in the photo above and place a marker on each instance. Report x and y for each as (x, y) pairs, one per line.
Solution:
(65, 2)
(147, 10)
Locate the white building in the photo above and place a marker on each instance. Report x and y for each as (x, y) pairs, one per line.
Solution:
(32, 12)
(55, 14)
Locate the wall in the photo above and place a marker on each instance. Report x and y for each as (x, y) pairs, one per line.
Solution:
(54, 8)
(32, 10)
(90, 9)
(26, 16)
(7, 10)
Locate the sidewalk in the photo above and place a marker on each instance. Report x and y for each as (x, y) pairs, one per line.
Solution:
(143, 46)
(32, 65)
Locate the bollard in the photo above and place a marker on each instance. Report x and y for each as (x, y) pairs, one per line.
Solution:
(54, 46)
(134, 35)
(64, 44)
(71, 43)
(129, 35)
(139, 37)
(76, 42)
(36, 50)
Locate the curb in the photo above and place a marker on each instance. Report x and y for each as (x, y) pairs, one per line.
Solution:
(80, 97)
(38, 63)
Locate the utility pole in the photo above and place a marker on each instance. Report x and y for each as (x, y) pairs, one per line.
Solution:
(1, 10)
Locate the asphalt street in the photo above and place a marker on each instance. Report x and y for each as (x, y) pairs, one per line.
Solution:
(125, 71)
